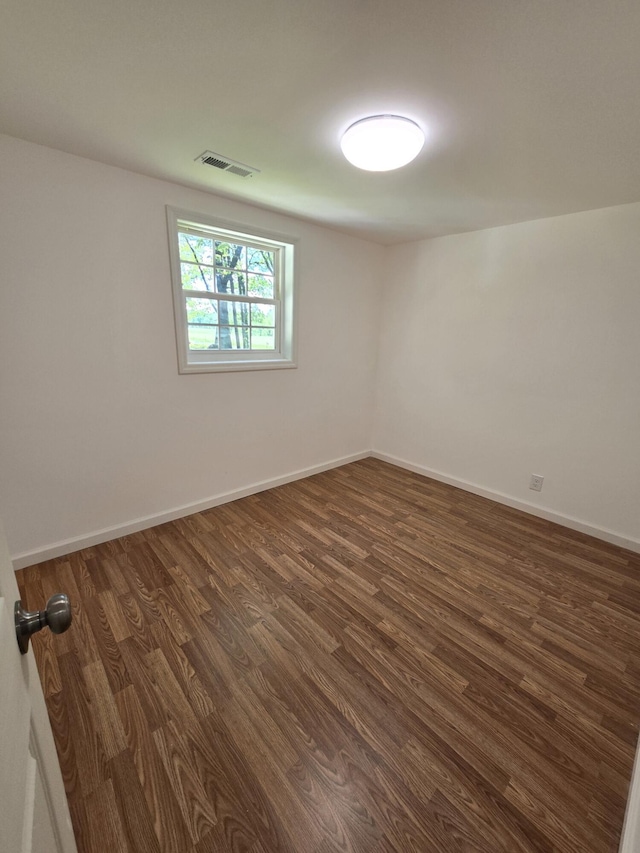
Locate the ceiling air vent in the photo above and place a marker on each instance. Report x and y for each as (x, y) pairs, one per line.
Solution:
(225, 164)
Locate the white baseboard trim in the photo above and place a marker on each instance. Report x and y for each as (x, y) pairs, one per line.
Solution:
(68, 546)
(564, 520)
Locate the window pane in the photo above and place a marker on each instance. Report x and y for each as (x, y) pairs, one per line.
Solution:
(196, 278)
(231, 281)
(235, 337)
(263, 338)
(260, 285)
(260, 261)
(202, 310)
(263, 315)
(231, 255)
(203, 337)
(234, 313)
(197, 249)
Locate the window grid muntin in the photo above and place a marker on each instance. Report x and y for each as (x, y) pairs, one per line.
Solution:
(220, 237)
(222, 296)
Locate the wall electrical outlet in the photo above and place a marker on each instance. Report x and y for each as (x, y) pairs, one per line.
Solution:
(536, 482)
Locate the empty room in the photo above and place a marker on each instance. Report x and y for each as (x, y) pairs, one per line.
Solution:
(320, 426)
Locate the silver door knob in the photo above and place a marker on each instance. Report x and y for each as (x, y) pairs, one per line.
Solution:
(57, 615)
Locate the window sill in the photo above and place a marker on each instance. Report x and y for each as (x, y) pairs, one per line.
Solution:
(232, 366)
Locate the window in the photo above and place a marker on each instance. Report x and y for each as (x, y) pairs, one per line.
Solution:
(232, 293)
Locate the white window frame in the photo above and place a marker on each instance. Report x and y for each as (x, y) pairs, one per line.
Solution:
(207, 361)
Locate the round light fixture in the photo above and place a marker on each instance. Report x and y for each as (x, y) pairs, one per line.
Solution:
(382, 143)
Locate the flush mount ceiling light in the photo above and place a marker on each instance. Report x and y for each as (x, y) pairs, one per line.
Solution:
(382, 143)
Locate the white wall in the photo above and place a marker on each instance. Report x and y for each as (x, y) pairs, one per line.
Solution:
(516, 350)
(97, 428)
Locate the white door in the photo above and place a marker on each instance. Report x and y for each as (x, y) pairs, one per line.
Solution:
(34, 817)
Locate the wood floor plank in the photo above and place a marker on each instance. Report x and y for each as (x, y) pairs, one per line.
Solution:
(168, 823)
(190, 684)
(114, 615)
(240, 776)
(67, 742)
(105, 826)
(81, 726)
(135, 818)
(364, 660)
(188, 788)
(105, 713)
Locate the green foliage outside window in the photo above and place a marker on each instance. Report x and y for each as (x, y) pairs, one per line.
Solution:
(220, 267)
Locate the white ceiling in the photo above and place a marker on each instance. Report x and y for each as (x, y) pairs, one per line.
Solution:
(531, 106)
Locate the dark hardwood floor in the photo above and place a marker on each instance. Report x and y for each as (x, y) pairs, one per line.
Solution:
(366, 660)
